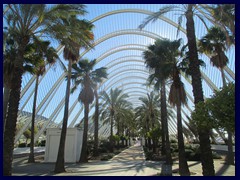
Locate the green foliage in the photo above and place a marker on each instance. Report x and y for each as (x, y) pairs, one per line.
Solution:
(27, 134)
(155, 133)
(22, 145)
(116, 138)
(42, 143)
(222, 107)
(201, 117)
(216, 155)
(105, 146)
(123, 137)
(218, 111)
(173, 140)
(107, 157)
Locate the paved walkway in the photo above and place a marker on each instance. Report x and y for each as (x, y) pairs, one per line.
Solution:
(130, 162)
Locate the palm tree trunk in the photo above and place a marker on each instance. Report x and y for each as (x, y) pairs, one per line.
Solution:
(167, 167)
(95, 153)
(149, 144)
(223, 77)
(84, 155)
(153, 138)
(183, 166)
(6, 95)
(122, 135)
(206, 152)
(118, 133)
(31, 155)
(230, 155)
(163, 150)
(11, 117)
(111, 134)
(59, 166)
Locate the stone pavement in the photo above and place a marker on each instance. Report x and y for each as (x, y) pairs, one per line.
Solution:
(130, 162)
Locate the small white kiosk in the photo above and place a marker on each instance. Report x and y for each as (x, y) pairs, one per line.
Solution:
(73, 144)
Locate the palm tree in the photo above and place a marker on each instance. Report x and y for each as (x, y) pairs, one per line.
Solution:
(141, 113)
(158, 57)
(214, 43)
(9, 55)
(177, 97)
(48, 54)
(111, 105)
(150, 103)
(223, 15)
(84, 74)
(124, 116)
(96, 80)
(25, 21)
(81, 37)
(188, 12)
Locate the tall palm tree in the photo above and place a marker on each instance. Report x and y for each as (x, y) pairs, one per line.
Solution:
(111, 105)
(223, 16)
(189, 11)
(25, 21)
(177, 97)
(141, 115)
(158, 57)
(124, 116)
(9, 55)
(97, 80)
(81, 36)
(152, 111)
(84, 74)
(45, 55)
(214, 43)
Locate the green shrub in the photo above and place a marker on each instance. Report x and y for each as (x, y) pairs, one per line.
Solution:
(43, 143)
(116, 152)
(22, 145)
(102, 150)
(193, 154)
(105, 144)
(175, 150)
(106, 157)
(116, 138)
(174, 145)
(149, 155)
(188, 146)
(216, 155)
(173, 140)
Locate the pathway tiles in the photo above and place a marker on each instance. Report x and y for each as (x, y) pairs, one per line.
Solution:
(130, 162)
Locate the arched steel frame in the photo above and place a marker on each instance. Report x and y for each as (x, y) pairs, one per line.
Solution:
(147, 34)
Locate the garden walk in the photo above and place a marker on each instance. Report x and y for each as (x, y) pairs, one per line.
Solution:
(130, 162)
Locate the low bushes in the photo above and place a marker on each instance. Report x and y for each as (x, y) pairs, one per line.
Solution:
(192, 153)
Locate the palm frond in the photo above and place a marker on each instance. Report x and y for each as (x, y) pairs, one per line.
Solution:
(153, 17)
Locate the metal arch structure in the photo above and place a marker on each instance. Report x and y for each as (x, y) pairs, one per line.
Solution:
(141, 11)
(51, 117)
(136, 11)
(167, 20)
(145, 94)
(149, 34)
(114, 50)
(142, 48)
